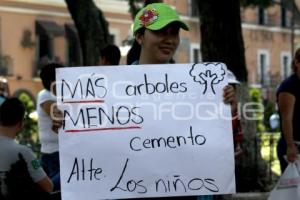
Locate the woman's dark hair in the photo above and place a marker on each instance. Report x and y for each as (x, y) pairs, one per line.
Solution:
(134, 53)
(111, 53)
(47, 74)
(141, 31)
(135, 50)
(12, 111)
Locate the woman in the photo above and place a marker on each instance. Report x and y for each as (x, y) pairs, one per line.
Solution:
(156, 28)
(288, 100)
(48, 138)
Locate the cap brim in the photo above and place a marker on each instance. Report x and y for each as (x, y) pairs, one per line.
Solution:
(162, 24)
(233, 82)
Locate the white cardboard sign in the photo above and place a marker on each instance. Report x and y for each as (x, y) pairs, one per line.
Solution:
(144, 131)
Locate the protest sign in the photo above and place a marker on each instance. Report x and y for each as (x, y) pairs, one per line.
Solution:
(144, 131)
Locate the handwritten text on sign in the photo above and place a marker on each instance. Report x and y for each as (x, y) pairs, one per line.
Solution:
(144, 131)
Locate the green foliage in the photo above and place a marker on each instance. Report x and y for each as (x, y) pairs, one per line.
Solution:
(261, 3)
(256, 97)
(265, 111)
(29, 134)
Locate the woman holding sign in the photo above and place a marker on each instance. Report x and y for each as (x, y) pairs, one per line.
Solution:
(156, 29)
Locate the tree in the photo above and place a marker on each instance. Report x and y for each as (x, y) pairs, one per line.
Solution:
(202, 73)
(92, 29)
(221, 35)
(29, 133)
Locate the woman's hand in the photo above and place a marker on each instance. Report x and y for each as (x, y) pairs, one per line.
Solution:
(292, 153)
(57, 118)
(229, 95)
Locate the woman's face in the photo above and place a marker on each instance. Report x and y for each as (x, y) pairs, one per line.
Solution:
(159, 46)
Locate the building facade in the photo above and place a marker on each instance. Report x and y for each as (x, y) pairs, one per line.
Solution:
(33, 31)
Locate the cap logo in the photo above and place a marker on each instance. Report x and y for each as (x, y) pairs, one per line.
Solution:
(149, 16)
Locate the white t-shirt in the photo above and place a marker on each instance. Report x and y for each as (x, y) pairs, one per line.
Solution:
(48, 138)
(9, 151)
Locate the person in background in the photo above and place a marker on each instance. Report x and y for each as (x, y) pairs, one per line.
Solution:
(4, 90)
(288, 100)
(110, 55)
(48, 138)
(20, 170)
(236, 124)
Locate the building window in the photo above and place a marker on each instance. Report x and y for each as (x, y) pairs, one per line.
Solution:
(193, 7)
(45, 47)
(283, 16)
(285, 70)
(74, 51)
(262, 16)
(195, 53)
(6, 67)
(286, 14)
(46, 31)
(263, 66)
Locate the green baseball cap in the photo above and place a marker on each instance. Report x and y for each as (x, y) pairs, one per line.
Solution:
(156, 16)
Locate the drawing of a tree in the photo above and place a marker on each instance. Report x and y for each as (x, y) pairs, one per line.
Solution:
(203, 73)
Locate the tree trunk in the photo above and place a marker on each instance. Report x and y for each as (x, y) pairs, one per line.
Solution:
(134, 9)
(222, 41)
(92, 29)
(221, 35)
